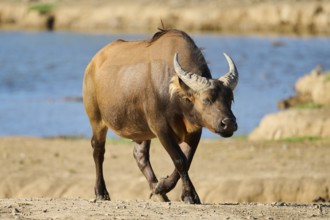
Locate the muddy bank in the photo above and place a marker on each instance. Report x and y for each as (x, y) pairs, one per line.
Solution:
(222, 170)
(238, 16)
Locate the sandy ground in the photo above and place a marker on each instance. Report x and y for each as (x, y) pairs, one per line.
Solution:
(53, 178)
(84, 209)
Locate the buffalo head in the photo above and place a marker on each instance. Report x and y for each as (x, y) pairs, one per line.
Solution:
(209, 100)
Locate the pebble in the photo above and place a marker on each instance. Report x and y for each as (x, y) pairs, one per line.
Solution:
(92, 200)
(15, 211)
(279, 204)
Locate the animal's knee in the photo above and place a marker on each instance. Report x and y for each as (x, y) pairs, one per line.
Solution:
(141, 157)
(98, 145)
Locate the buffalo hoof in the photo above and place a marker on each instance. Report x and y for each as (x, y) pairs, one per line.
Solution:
(101, 193)
(102, 197)
(159, 197)
(190, 198)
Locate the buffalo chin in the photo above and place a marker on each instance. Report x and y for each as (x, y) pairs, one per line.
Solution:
(226, 134)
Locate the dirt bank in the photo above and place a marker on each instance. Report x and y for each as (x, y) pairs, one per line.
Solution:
(222, 171)
(236, 16)
(54, 178)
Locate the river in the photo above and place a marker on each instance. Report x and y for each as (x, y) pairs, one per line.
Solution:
(41, 76)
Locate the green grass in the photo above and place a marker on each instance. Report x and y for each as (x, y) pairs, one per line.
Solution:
(42, 8)
(241, 137)
(68, 138)
(115, 141)
(302, 139)
(327, 77)
(307, 105)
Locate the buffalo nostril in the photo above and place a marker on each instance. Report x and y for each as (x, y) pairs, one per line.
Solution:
(223, 124)
(228, 124)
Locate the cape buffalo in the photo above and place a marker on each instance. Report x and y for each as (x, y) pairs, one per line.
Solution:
(161, 88)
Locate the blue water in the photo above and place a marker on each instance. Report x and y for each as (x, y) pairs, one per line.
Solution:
(40, 70)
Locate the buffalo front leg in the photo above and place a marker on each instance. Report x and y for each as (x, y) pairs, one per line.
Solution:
(141, 155)
(98, 144)
(188, 147)
(189, 194)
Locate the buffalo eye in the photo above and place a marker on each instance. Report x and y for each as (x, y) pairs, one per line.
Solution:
(186, 100)
(207, 101)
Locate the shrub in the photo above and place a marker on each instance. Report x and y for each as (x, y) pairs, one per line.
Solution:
(307, 105)
(302, 139)
(42, 8)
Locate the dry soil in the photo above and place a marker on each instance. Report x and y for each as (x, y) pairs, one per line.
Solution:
(53, 178)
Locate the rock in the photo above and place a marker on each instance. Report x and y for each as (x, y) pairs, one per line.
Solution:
(316, 85)
(305, 84)
(321, 92)
(320, 199)
(15, 211)
(306, 114)
(293, 123)
(294, 101)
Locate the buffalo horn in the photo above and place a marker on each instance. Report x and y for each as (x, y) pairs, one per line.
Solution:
(230, 79)
(192, 80)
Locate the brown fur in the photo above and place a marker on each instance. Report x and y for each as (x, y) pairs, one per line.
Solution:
(131, 87)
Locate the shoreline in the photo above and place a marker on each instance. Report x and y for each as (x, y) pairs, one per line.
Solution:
(297, 18)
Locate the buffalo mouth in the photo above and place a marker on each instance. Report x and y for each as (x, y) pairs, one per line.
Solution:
(225, 134)
(222, 133)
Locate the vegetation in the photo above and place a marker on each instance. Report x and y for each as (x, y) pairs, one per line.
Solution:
(307, 105)
(327, 77)
(67, 137)
(241, 137)
(43, 8)
(110, 140)
(302, 139)
(117, 140)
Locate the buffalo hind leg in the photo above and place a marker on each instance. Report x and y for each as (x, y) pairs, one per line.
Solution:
(141, 155)
(98, 144)
(188, 147)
